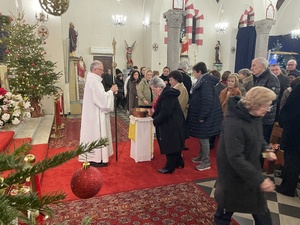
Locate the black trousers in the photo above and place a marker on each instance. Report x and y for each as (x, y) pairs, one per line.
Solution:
(290, 173)
(221, 218)
(267, 131)
(173, 160)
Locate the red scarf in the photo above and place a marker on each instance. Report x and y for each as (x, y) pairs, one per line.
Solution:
(154, 103)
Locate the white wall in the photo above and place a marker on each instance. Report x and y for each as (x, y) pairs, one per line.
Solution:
(92, 20)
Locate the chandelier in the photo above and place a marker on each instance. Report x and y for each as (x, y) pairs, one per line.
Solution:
(119, 20)
(221, 26)
(295, 34)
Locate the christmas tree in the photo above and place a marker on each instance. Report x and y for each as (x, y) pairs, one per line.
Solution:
(30, 74)
(15, 199)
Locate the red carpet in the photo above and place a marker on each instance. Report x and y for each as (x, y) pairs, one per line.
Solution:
(71, 132)
(126, 175)
(182, 203)
(5, 139)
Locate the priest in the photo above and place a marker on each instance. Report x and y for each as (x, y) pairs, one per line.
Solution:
(95, 120)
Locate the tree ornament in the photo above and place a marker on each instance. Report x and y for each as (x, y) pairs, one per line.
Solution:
(86, 182)
(6, 51)
(44, 73)
(32, 64)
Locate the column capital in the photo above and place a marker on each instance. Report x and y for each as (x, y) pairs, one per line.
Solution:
(264, 26)
(174, 18)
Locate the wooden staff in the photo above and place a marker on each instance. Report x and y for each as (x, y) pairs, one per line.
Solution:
(114, 64)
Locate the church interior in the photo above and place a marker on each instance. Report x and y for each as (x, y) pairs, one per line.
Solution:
(225, 34)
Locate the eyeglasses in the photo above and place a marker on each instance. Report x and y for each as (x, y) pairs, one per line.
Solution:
(290, 64)
(268, 107)
(99, 69)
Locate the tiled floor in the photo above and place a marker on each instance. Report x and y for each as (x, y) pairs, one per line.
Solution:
(284, 210)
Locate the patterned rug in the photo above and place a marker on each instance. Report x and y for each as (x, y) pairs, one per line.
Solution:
(71, 132)
(182, 204)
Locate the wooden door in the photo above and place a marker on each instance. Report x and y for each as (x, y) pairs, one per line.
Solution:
(106, 60)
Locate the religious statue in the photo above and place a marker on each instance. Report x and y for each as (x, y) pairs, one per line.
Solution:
(81, 68)
(73, 39)
(129, 55)
(185, 45)
(217, 53)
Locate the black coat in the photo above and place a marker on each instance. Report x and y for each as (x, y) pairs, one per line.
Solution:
(186, 80)
(238, 161)
(205, 105)
(289, 120)
(107, 81)
(268, 80)
(169, 122)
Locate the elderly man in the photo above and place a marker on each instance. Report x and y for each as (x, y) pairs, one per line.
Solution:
(262, 76)
(95, 122)
(284, 84)
(291, 67)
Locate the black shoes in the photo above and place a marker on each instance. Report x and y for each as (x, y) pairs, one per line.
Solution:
(100, 164)
(277, 189)
(180, 165)
(163, 170)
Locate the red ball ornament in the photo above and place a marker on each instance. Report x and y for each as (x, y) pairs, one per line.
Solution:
(32, 87)
(45, 53)
(6, 51)
(44, 73)
(32, 64)
(86, 182)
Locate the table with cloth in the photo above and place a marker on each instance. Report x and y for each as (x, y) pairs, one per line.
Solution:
(141, 133)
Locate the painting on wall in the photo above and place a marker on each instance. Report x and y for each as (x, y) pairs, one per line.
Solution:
(282, 48)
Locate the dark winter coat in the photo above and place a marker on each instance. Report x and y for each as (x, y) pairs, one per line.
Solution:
(284, 82)
(186, 80)
(169, 122)
(268, 80)
(238, 161)
(205, 105)
(107, 81)
(289, 120)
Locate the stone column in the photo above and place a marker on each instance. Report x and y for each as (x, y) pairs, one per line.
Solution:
(262, 28)
(174, 21)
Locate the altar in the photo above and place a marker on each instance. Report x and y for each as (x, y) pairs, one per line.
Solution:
(141, 133)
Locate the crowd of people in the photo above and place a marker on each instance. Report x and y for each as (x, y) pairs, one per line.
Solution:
(241, 108)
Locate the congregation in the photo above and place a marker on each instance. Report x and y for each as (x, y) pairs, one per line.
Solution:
(203, 100)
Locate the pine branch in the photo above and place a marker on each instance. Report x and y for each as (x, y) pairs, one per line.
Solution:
(15, 159)
(17, 206)
(54, 161)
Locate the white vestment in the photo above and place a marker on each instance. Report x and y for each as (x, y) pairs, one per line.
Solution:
(95, 120)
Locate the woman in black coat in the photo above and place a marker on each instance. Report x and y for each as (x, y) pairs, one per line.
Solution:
(290, 143)
(240, 184)
(169, 122)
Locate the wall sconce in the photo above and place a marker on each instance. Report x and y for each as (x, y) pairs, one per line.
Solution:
(42, 17)
(146, 23)
(295, 34)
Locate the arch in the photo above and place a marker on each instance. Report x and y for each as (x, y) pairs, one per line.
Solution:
(247, 18)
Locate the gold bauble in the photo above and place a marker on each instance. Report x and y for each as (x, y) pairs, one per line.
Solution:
(29, 158)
